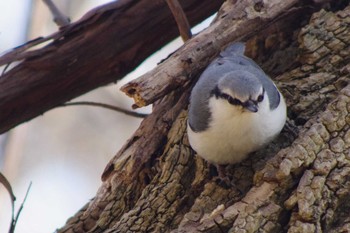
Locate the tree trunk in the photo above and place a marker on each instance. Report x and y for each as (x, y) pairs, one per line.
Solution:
(298, 183)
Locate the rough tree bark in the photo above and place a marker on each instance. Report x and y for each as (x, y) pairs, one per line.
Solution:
(299, 183)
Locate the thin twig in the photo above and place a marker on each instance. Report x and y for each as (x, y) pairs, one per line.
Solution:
(15, 220)
(18, 53)
(60, 19)
(111, 107)
(5, 68)
(181, 19)
(7, 185)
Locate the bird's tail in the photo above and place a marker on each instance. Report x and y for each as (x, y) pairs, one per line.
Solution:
(234, 48)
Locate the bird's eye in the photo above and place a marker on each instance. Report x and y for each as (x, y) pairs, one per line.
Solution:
(231, 100)
(234, 101)
(260, 98)
(224, 96)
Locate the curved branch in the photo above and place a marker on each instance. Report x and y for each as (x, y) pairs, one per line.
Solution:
(111, 107)
(181, 19)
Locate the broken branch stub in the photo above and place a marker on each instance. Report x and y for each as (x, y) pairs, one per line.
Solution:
(234, 21)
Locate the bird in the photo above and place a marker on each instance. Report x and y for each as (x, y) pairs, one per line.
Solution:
(235, 109)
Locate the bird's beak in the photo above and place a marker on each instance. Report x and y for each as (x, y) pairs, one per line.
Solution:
(251, 106)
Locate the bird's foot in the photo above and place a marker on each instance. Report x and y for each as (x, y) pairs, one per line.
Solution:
(222, 177)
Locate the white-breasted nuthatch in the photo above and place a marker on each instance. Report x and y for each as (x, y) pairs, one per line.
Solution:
(235, 109)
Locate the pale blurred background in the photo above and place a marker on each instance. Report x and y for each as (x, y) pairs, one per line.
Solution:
(64, 151)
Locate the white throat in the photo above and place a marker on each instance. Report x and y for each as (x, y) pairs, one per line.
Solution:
(233, 132)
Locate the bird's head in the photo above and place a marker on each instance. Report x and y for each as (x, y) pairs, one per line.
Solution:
(240, 89)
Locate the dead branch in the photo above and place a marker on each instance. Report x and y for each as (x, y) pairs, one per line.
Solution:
(247, 18)
(102, 47)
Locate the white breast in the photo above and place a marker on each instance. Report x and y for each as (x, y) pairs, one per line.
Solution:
(233, 133)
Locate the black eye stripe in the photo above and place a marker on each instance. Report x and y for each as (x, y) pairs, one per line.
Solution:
(231, 100)
(224, 96)
(218, 94)
(234, 101)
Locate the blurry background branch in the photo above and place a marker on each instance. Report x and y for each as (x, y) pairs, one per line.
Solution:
(181, 19)
(100, 48)
(8, 187)
(58, 17)
(15, 218)
(107, 106)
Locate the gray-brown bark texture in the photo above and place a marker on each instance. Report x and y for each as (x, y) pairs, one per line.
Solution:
(299, 183)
